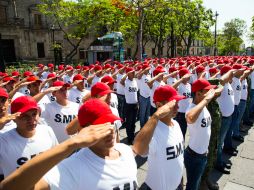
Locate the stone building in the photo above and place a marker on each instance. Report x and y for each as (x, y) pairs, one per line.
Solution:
(28, 35)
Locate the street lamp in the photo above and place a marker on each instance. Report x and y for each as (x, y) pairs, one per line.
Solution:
(53, 41)
(215, 34)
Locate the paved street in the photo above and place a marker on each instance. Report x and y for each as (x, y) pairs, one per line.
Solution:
(242, 171)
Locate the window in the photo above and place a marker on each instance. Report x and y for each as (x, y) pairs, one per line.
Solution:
(81, 53)
(128, 52)
(153, 51)
(3, 17)
(37, 20)
(40, 50)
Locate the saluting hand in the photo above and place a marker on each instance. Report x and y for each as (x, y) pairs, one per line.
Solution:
(210, 95)
(165, 110)
(90, 135)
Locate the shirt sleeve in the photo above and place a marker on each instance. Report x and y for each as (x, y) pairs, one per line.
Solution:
(62, 177)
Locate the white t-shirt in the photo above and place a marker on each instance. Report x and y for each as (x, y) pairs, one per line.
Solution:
(165, 157)
(171, 81)
(76, 95)
(24, 91)
(252, 79)
(184, 90)
(226, 101)
(200, 131)
(131, 91)
(44, 75)
(244, 92)
(236, 85)
(114, 104)
(119, 86)
(68, 79)
(84, 170)
(57, 117)
(144, 88)
(8, 126)
(156, 84)
(15, 150)
(18, 94)
(95, 80)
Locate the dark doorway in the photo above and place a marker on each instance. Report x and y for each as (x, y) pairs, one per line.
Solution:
(40, 50)
(9, 50)
(102, 56)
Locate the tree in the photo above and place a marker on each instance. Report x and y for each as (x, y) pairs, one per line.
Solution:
(251, 35)
(230, 39)
(79, 19)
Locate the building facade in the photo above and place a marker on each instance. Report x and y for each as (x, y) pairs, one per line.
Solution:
(28, 35)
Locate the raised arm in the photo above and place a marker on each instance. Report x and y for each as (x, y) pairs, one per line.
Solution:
(29, 175)
(193, 114)
(143, 138)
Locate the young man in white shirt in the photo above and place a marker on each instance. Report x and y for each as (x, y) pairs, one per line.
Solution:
(226, 104)
(100, 159)
(76, 94)
(162, 140)
(131, 102)
(154, 83)
(120, 91)
(6, 122)
(144, 98)
(199, 125)
(28, 139)
(184, 88)
(61, 112)
(69, 75)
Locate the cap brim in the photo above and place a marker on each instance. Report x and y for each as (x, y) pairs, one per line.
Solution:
(210, 87)
(105, 92)
(28, 108)
(106, 118)
(177, 98)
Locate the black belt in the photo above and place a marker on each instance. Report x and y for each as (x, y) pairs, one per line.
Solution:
(243, 100)
(192, 152)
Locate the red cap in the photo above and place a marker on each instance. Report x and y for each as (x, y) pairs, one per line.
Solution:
(237, 66)
(94, 112)
(166, 93)
(97, 68)
(61, 83)
(40, 65)
(201, 84)
(27, 73)
(50, 65)
(183, 72)
(78, 67)
(200, 69)
(60, 67)
(7, 79)
(107, 66)
(3, 93)
(172, 69)
(100, 89)
(23, 104)
(85, 68)
(33, 79)
(69, 68)
(78, 77)
(108, 80)
(3, 74)
(91, 66)
(158, 70)
(51, 75)
(225, 69)
(15, 74)
(145, 66)
(213, 70)
(119, 66)
(129, 69)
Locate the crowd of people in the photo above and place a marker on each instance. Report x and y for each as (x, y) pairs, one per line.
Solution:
(59, 125)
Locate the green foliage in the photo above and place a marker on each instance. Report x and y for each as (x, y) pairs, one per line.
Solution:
(230, 40)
